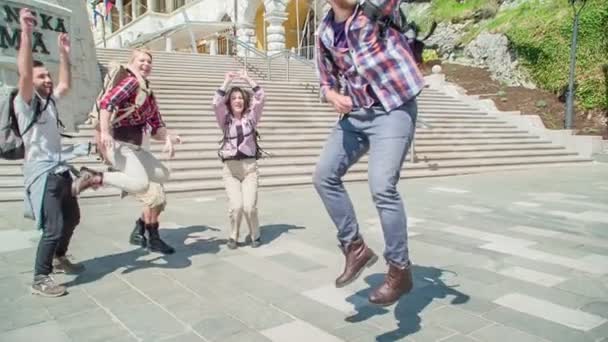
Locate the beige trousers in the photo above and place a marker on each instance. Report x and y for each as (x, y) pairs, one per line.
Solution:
(136, 168)
(241, 182)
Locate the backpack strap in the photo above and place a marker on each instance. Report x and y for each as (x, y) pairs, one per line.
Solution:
(374, 13)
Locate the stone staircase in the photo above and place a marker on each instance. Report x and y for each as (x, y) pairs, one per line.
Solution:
(293, 129)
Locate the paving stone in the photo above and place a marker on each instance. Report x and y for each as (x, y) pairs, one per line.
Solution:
(457, 320)
(525, 274)
(50, 330)
(185, 337)
(500, 333)
(74, 304)
(459, 338)
(15, 239)
(597, 308)
(23, 311)
(357, 332)
(220, 327)
(295, 262)
(536, 326)
(249, 336)
(93, 326)
(298, 331)
(148, 321)
(313, 312)
(254, 313)
(586, 286)
(419, 333)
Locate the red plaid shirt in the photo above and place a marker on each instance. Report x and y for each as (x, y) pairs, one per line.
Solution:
(122, 96)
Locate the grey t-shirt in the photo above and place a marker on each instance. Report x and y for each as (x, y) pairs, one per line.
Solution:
(43, 140)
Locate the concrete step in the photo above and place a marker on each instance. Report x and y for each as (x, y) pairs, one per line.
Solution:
(199, 160)
(420, 148)
(526, 143)
(202, 98)
(421, 133)
(323, 117)
(307, 112)
(303, 177)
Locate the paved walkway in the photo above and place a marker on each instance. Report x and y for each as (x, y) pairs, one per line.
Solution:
(518, 256)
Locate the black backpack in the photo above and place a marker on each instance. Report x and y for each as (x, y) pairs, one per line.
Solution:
(11, 143)
(410, 29)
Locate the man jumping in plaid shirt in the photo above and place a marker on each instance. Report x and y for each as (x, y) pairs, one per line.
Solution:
(369, 76)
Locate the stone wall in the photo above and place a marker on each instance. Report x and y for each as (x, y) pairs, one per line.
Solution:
(54, 16)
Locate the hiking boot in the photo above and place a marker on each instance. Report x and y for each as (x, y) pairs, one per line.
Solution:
(45, 286)
(232, 244)
(357, 256)
(88, 178)
(155, 244)
(138, 237)
(397, 282)
(64, 265)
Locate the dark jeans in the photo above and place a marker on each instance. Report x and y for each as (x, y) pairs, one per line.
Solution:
(61, 215)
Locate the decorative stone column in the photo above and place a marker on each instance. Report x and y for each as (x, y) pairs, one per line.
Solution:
(121, 13)
(168, 44)
(150, 6)
(247, 36)
(134, 8)
(213, 47)
(275, 33)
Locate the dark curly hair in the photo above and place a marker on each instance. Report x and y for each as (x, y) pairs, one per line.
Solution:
(246, 98)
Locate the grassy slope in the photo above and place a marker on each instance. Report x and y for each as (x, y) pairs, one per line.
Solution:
(540, 33)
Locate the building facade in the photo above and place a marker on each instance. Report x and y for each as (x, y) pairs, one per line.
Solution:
(270, 26)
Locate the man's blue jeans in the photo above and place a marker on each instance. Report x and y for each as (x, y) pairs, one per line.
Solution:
(387, 137)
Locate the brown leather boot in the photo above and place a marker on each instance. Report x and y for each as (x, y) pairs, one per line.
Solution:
(357, 256)
(88, 178)
(397, 282)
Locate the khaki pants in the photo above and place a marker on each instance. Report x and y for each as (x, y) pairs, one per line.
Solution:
(154, 198)
(241, 182)
(137, 168)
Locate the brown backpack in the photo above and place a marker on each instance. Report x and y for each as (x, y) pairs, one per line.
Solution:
(118, 72)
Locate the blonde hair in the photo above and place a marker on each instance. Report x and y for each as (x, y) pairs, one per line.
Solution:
(138, 51)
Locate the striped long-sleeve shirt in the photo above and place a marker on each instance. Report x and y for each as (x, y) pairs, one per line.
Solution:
(372, 65)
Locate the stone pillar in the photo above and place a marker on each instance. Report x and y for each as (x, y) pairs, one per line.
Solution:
(275, 34)
(168, 44)
(150, 6)
(213, 47)
(134, 9)
(247, 36)
(121, 13)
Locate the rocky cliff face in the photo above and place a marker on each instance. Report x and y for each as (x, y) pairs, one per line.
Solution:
(452, 42)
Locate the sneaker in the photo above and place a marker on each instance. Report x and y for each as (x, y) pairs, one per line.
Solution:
(64, 265)
(256, 243)
(88, 178)
(232, 243)
(45, 286)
